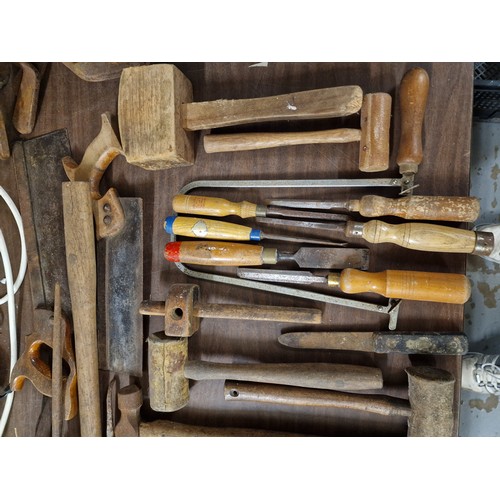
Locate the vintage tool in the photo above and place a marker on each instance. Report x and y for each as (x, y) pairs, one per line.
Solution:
(99, 71)
(213, 229)
(81, 268)
(410, 285)
(129, 400)
(216, 253)
(183, 310)
(429, 409)
(4, 139)
(25, 110)
(170, 369)
(110, 407)
(57, 375)
(413, 93)
(159, 98)
(107, 209)
(412, 235)
(219, 207)
(436, 343)
(445, 208)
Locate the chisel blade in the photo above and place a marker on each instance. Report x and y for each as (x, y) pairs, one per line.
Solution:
(278, 276)
(310, 204)
(332, 258)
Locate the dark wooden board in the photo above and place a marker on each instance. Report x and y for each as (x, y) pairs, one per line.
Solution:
(71, 103)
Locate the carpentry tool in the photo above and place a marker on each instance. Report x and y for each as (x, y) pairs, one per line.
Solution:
(57, 375)
(219, 207)
(412, 235)
(129, 400)
(107, 209)
(183, 310)
(429, 409)
(212, 229)
(99, 71)
(436, 343)
(170, 369)
(447, 288)
(81, 268)
(445, 208)
(413, 93)
(216, 253)
(24, 116)
(159, 98)
(4, 139)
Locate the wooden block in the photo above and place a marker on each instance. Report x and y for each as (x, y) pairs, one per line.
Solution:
(149, 117)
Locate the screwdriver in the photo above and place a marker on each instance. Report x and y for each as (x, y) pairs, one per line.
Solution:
(411, 285)
(213, 229)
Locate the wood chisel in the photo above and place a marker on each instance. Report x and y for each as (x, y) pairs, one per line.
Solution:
(411, 285)
(442, 343)
(445, 208)
(212, 229)
(216, 253)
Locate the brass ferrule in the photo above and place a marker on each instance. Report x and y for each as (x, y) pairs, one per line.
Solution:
(269, 256)
(333, 279)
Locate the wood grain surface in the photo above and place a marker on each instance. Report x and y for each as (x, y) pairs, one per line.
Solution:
(69, 102)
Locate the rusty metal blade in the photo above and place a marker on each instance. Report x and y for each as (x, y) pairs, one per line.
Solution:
(280, 276)
(296, 239)
(330, 226)
(303, 214)
(348, 341)
(329, 258)
(311, 204)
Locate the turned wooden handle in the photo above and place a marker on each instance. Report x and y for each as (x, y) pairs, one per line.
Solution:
(411, 285)
(294, 396)
(320, 103)
(214, 253)
(375, 132)
(224, 143)
(419, 236)
(82, 281)
(446, 208)
(215, 207)
(315, 375)
(413, 93)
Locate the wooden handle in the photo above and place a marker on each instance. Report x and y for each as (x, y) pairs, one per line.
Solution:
(320, 103)
(215, 207)
(194, 227)
(419, 236)
(24, 115)
(81, 264)
(413, 93)
(411, 285)
(224, 143)
(315, 375)
(445, 208)
(375, 132)
(281, 395)
(214, 253)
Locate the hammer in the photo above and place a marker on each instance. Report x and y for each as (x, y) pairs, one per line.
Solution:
(157, 116)
(169, 371)
(429, 407)
(183, 311)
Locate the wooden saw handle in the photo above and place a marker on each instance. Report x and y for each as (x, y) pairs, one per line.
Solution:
(411, 285)
(215, 207)
(224, 143)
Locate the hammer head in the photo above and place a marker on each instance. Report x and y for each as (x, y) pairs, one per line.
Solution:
(180, 316)
(150, 100)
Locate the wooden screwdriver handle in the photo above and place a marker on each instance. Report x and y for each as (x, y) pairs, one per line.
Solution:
(413, 93)
(223, 143)
(215, 207)
(445, 208)
(314, 375)
(410, 285)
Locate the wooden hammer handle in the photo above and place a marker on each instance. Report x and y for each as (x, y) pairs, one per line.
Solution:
(81, 264)
(223, 143)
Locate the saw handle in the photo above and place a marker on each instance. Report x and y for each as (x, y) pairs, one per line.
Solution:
(445, 208)
(215, 207)
(410, 285)
(413, 93)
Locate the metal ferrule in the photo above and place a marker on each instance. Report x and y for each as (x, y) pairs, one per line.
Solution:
(333, 279)
(355, 229)
(485, 242)
(269, 256)
(260, 211)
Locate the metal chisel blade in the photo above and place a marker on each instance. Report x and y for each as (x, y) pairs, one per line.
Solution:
(311, 204)
(330, 226)
(303, 214)
(329, 258)
(278, 276)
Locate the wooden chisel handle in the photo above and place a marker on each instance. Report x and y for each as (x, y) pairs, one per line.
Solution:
(215, 207)
(315, 375)
(223, 143)
(216, 253)
(445, 208)
(410, 285)
(413, 93)
(294, 396)
(419, 236)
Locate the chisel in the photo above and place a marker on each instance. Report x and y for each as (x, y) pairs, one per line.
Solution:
(212, 229)
(410, 285)
(445, 343)
(216, 253)
(445, 208)
(220, 207)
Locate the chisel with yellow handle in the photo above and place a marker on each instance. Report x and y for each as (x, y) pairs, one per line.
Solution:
(395, 284)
